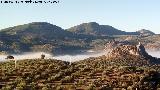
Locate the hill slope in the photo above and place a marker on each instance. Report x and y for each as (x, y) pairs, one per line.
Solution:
(24, 37)
(145, 32)
(94, 28)
(42, 36)
(127, 71)
(45, 37)
(37, 29)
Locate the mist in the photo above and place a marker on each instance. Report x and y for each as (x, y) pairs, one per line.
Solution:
(67, 57)
(154, 53)
(28, 55)
(78, 57)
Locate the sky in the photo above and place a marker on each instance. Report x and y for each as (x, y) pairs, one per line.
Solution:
(126, 15)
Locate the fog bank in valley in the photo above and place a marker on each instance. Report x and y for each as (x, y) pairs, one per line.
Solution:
(36, 55)
(72, 58)
(154, 53)
(28, 55)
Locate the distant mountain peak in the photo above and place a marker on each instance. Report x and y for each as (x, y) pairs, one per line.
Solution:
(145, 32)
(92, 23)
(31, 27)
(93, 28)
(39, 23)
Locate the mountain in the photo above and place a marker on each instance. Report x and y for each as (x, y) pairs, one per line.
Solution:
(37, 29)
(145, 32)
(43, 36)
(93, 28)
(36, 36)
(46, 37)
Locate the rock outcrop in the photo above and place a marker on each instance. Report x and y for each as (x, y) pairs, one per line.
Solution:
(153, 46)
(113, 44)
(144, 32)
(137, 51)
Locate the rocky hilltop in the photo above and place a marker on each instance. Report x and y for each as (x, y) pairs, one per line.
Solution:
(145, 32)
(137, 52)
(124, 50)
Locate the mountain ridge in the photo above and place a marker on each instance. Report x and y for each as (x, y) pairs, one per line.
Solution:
(94, 28)
(37, 36)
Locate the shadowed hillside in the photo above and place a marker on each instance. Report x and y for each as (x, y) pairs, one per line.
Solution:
(44, 37)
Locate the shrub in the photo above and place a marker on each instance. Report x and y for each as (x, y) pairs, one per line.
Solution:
(45, 88)
(67, 79)
(91, 87)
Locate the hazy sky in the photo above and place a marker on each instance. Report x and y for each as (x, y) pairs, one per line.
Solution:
(127, 15)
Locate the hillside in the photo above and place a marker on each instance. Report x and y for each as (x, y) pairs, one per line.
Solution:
(94, 28)
(145, 32)
(134, 52)
(45, 37)
(23, 36)
(130, 71)
(150, 42)
(42, 36)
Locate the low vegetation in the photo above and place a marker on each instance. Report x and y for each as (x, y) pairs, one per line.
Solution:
(90, 74)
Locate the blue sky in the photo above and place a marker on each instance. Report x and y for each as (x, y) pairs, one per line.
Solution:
(127, 15)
